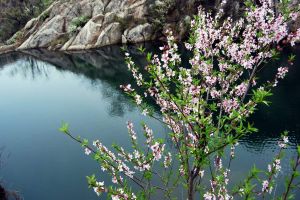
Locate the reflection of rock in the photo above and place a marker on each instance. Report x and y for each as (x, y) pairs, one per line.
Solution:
(103, 67)
(106, 66)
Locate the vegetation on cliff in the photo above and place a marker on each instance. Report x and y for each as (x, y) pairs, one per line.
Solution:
(16, 13)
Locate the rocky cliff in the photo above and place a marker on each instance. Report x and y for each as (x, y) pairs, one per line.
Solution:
(86, 24)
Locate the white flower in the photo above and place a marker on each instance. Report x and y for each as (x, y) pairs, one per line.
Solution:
(276, 165)
(285, 139)
(241, 190)
(168, 160)
(96, 142)
(145, 112)
(201, 173)
(284, 142)
(87, 151)
(209, 196)
(269, 168)
(138, 99)
(146, 167)
(103, 168)
(97, 191)
(120, 168)
(100, 184)
(115, 197)
(99, 187)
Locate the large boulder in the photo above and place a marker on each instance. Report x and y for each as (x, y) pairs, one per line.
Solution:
(88, 35)
(139, 33)
(111, 34)
(49, 32)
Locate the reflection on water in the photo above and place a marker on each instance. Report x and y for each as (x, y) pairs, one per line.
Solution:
(104, 71)
(283, 112)
(39, 89)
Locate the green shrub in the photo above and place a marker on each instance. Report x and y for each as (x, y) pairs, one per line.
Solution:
(14, 38)
(78, 22)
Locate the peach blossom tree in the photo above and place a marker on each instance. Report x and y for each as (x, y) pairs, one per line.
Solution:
(206, 106)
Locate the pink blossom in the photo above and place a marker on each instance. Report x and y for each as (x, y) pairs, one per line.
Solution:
(168, 160)
(282, 71)
(127, 88)
(294, 16)
(209, 196)
(241, 89)
(215, 94)
(229, 105)
(283, 143)
(157, 150)
(131, 131)
(266, 187)
(210, 80)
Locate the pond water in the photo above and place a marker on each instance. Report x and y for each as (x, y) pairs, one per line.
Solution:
(40, 89)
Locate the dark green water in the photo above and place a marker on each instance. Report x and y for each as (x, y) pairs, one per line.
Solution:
(39, 90)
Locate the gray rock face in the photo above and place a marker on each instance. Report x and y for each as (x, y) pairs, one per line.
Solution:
(51, 31)
(111, 34)
(87, 35)
(86, 24)
(140, 33)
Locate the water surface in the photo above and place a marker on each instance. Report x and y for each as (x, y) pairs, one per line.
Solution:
(40, 89)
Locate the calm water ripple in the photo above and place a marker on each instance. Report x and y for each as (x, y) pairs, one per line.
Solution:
(40, 89)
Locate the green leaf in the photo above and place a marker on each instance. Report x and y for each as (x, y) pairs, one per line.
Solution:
(275, 54)
(84, 143)
(149, 57)
(64, 128)
(91, 180)
(249, 4)
(124, 48)
(141, 49)
(291, 196)
(148, 175)
(97, 157)
(291, 58)
(251, 128)
(255, 171)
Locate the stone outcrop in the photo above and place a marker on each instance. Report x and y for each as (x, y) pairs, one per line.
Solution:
(87, 24)
(7, 48)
